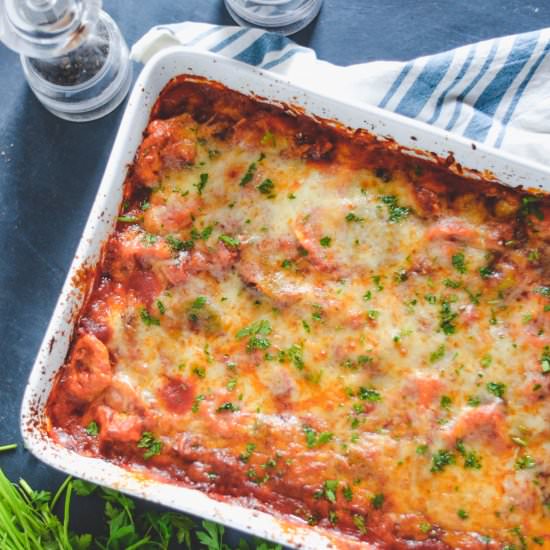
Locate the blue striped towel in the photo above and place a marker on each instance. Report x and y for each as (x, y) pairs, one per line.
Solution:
(496, 92)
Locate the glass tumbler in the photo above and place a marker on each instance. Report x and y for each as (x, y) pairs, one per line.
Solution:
(283, 16)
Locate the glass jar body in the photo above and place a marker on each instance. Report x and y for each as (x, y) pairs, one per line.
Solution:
(87, 82)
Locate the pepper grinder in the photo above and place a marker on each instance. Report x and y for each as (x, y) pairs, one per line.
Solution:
(73, 55)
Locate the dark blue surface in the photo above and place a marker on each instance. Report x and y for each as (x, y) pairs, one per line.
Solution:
(50, 169)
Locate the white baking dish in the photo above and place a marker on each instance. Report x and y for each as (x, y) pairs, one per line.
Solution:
(101, 222)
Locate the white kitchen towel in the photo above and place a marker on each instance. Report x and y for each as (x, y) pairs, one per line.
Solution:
(496, 92)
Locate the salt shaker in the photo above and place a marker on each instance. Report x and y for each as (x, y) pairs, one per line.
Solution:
(73, 55)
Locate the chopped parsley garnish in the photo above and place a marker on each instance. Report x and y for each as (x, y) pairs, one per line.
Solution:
(447, 316)
(145, 205)
(227, 407)
(147, 318)
(199, 302)
(306, 326)
(128, 219)
(531, 206)
(445, 402)
(177, 244)
(377, 501)
(525, 462)
(257, 342)
(368, 394)
(259, 327)
(294, 354)
(496, 388)
(92, 428)
(314, 439)
(161, 307)
(359, 523)
(367, 296)
(396, 213)
(422, 449)
(257, 332)
(250, 447)
(376, 279)
(472, 460)
(449, 283)
(201, 184)
(400, 276)
(425, 527)
(153, 446)
(373, 314)
(196, 403)
(438, 354)
(266, 187)
(442, 459)
(348, 493)
(250, 171)
(329, 488)
(473, 401)
(486, 361)
(231, 242)
(325, 242)
(462, 514)
(352, 217)
(431, 299)
(317, 314)
(231, 385)
(199, 371)
(545, 360)
(486, 272)
(287, 264)
(197, 235)
(459, 263)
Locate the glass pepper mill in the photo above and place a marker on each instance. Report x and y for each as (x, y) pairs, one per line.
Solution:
(73, 55)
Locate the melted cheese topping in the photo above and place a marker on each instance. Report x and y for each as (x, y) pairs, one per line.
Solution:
(342, 333)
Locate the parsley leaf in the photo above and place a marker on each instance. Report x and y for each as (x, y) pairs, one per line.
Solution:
(325, 242)
(496, 388)
(441, 459)
(231, 242)
(147, 318)
(459, 263)
(377, 501)
(396, 213)
(266, 187)
(203, 179)
(92, 428)
(153, 446)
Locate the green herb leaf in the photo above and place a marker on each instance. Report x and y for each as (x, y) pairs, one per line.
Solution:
(525, 462)
(147, 318)
(377, 501)
(201, 184)
(266, 187)
(459, 263)
(92, 429)
(231, 242)
(152, 445)
(496, 388)
(441, 459)
(325, 242)
(369, 394)
(396, 213)
(227, 407)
